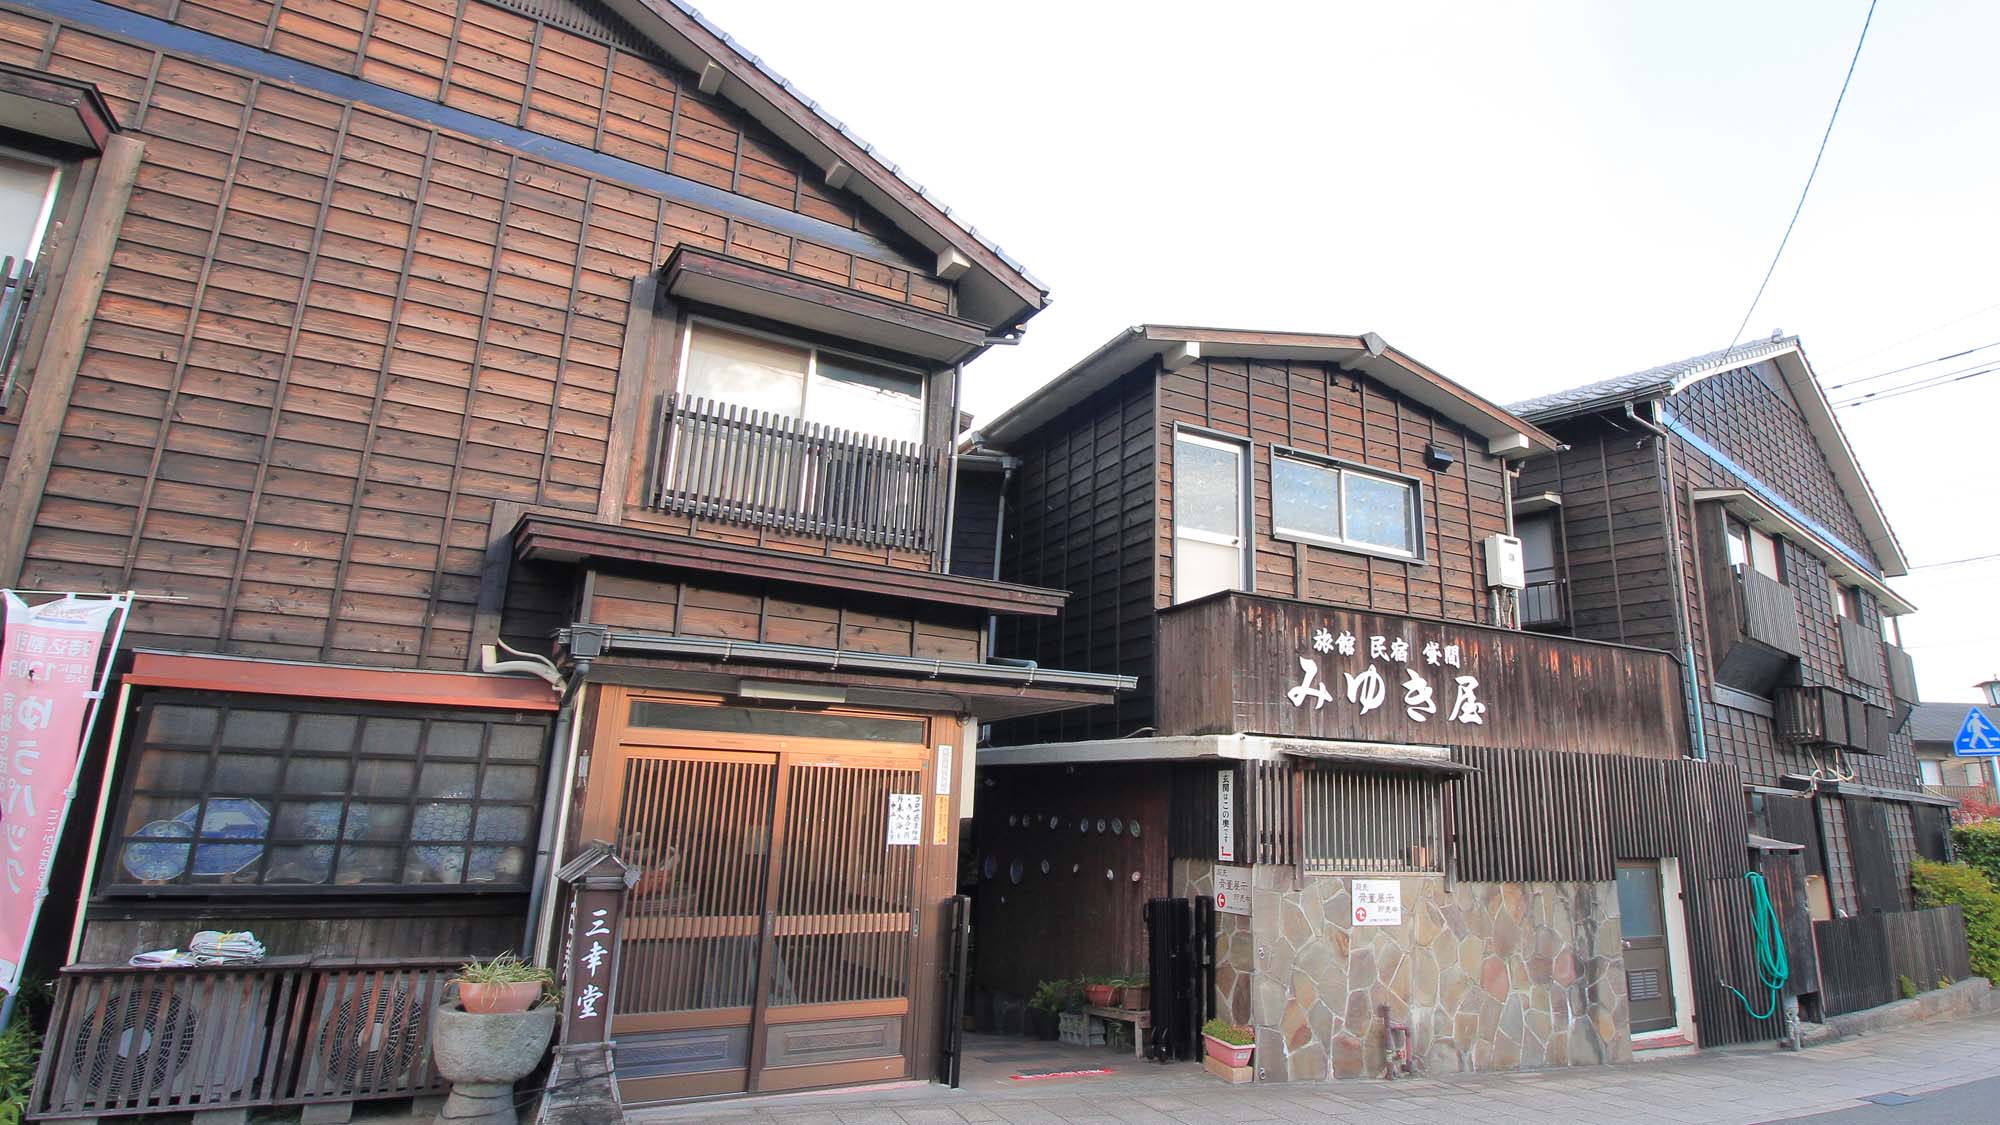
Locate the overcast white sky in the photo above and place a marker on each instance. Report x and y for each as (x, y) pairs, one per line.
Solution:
(1526, 196)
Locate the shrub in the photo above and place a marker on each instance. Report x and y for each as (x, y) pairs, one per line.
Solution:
(1979, 845)
(1944, 884)
(1907, 986)
(1056, 996)
(19, 1047)
(1234, 1034)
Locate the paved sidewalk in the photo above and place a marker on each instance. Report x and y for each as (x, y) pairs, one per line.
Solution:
(1741, 1085)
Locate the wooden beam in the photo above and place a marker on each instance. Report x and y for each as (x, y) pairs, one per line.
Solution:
(62, 351)
(627, 405)
(493, 574)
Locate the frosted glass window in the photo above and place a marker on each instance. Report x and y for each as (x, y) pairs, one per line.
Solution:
(1379, 513)
(796, 381)
(1305, 499)
(1208, 517)
(746, 371)
(864, 398)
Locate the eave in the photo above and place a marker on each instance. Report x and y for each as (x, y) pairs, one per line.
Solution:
(544, 538)
(992, 289)
(35, 103)
(1175, 346)
(1754, 510)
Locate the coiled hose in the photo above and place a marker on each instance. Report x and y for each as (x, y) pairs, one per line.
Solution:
(1773, 967)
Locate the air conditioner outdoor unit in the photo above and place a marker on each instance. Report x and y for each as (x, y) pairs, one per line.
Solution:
(1504, 565)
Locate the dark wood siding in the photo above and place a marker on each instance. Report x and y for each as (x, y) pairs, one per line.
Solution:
(1080, 518)
(334, 338)
(1322, 409)
(975, 523)
(1614, 532)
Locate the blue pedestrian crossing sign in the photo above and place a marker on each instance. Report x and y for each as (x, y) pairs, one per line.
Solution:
(1978, 736)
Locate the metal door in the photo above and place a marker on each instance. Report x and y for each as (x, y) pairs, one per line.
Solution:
(771, 941)
(1649, 977)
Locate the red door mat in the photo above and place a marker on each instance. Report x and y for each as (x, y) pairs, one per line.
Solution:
(1038, 1075)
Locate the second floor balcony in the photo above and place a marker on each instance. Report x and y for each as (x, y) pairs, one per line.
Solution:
(728, 463)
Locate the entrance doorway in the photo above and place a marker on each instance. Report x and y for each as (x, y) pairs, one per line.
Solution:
(775, 939)
(1642, 915)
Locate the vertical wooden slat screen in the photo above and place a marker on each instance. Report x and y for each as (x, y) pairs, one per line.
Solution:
(725, 462)
(699, 829)
(17, 291)
(847, 898)
(1370, 821)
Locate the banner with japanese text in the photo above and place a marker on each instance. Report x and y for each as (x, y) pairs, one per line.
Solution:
(48, 680)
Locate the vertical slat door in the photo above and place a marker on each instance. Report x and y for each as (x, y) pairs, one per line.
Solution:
(698, 825)
(845, 924)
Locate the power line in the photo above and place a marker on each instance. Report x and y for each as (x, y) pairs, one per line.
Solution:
(1912, 388)
(1835, 116)
(1912, 367)
(1958, 562)
(1934, 329)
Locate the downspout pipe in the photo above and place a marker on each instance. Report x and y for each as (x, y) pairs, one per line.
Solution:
(1683, 627)
(555, 815)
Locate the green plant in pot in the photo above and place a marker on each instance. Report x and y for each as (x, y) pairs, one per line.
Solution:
(1098, 990)
(1230, 1044)
(504, 984)
(1135, 993)
(491, 1037)
(1051, 998)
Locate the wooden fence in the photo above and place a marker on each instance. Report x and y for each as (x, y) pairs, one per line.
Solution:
(1863, 960)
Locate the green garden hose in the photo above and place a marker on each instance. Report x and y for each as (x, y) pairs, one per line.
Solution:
(1773, 967)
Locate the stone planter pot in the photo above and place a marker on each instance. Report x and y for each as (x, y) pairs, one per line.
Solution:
(483, 1055)
(484, 999)
(1229, 1054)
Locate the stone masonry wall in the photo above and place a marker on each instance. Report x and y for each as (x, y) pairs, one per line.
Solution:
(1489, 976)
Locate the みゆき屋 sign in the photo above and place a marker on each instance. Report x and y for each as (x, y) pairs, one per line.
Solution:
(1291, 669)
(1232, 890)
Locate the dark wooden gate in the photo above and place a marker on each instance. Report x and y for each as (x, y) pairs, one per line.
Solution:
(1875, 882)
(1180, 935)
(952, 985)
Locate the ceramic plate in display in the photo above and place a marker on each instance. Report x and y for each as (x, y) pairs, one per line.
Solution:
(1014, 872)
(989, 867)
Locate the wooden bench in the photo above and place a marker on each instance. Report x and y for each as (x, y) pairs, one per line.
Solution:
(1141, 1021)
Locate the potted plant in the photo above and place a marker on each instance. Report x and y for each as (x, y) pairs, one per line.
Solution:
(1097, 991)
(504, 984)
(483, 1053)
(1051, 997)
(1230, 1044)
(1135, 993)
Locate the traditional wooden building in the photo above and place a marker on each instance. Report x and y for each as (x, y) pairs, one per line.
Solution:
(1407, 809)
(366, 338)
(1712, 508)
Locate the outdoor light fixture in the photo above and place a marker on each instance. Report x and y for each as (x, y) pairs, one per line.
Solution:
(1439, 458)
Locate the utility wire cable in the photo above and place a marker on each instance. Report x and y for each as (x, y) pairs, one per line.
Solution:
(1931, 331)
(1835, 116)
(1912, 367)
(1898, 392)
(1957, 562)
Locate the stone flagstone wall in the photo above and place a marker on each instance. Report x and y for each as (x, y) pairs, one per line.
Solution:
(1489, 976)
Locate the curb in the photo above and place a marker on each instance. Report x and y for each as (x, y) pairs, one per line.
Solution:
(1970, 997)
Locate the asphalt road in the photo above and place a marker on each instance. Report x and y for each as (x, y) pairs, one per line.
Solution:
(1974, 1101)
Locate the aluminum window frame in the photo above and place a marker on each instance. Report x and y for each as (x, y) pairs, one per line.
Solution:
(1419, 554)
(1246, 529)
(812, 350)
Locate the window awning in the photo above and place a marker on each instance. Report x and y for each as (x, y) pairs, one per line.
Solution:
(1754, 511)
(745, 287)
(206, 672)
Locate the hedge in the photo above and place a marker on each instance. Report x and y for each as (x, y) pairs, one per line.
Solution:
(1979, 845)
(1941, 884)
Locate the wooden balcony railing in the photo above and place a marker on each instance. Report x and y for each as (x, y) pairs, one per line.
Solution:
(1544, 602)
(1824, 716)
(725, 462)
(17, 294)
(1769, 613)
(1902, 674)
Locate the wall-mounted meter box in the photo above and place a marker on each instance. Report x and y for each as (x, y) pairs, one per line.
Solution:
(1504, 567)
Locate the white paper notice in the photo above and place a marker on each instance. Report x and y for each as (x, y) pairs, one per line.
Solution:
(1225, 814)
(1378, 902)
(906, 818)
(944, 769)
(1232, 890)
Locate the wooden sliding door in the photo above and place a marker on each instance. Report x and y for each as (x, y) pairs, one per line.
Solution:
(772, 940)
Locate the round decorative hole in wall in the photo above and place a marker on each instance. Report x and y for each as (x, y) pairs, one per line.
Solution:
(1100, 826)
(1117, 827)
(1083, 824)
(1055, 822)
(989, 866)
(1135, 829)
(1110, 874)
(1012, 820)
(1135, 876)
(1014, 872)
(1045, 867)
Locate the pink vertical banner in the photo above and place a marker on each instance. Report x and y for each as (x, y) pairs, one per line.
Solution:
(48, 684)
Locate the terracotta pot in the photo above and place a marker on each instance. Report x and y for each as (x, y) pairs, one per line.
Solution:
(1098, 995)
(1229, 1054)
(489, 999)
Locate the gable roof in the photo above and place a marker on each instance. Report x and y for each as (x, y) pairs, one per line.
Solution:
(1786, 353)
(993, 288)
(1178, 345)
(1939, 722)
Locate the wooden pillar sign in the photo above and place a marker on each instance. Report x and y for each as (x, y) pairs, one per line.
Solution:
(598, 880)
